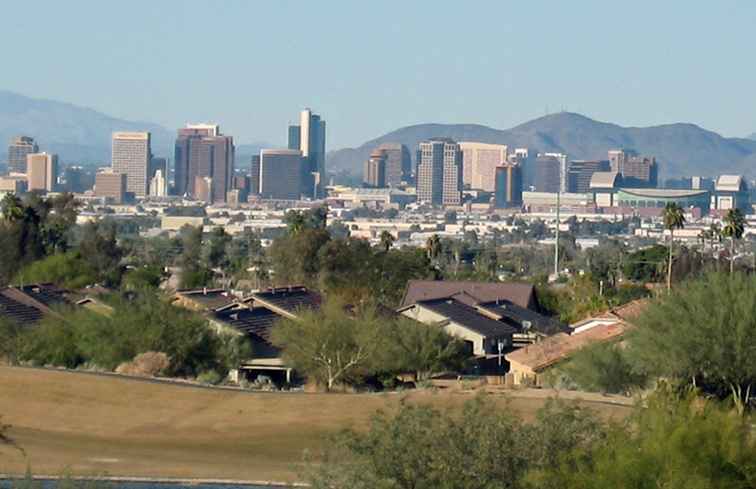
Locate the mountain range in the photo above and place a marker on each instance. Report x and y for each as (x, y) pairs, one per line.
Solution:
(82, 135)
(681, 149)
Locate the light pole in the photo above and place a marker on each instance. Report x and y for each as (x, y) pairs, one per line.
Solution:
(556, 239)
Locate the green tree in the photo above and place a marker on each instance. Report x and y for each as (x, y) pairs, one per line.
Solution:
(673, 219)
(703, 335)
(11, 340)
(294, 257)
(423, 349)
(330, 346)
(387, 240)
(603, 367)
(12, 208)
(734, 228)
(194, 272)
(688, 443)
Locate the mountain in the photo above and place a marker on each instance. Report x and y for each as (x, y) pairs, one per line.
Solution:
(681, 149)
(752, 136)
(76, 134)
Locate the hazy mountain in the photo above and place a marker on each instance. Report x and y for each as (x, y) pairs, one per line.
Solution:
(681, 149)
(77, 134)
(752, 136)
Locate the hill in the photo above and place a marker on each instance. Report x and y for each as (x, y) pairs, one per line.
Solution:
(76, 134)
(752, 136)
(88, 424)
(681, 149)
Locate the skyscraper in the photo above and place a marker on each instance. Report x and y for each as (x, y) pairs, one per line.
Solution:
(254, 175)
(132, 153)
(636, 171)
(546, 176)
(508, 191)
(41, 171)
(18, 148)
(398, 163)
(282, 174)
(309, 137)
(202, 151)
(564, 167)
(580, 173)
(439, 172)
(479, 162)
(375, 169)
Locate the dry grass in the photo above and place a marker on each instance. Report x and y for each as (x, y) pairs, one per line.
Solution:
(93, 425)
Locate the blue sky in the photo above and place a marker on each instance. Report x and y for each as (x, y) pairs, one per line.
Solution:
(371, 67)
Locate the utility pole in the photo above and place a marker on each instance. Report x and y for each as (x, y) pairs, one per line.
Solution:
(556, 240)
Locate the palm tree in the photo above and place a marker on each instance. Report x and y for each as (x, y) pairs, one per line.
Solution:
(673, 219)
(387, 240)
(733, 229)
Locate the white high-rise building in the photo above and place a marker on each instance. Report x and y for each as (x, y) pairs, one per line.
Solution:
(564, 169)
(132, 153)
(158, 185)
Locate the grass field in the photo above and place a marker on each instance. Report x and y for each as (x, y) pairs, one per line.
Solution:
(91, 425)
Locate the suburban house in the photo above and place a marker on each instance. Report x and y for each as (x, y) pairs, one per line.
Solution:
(28, 304)
(471, 293)
(484, 336)
(530, 326)
(202, 300)
(527, 365)
(255, 316)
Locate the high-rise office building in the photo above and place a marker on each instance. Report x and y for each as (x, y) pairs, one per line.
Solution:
(77, 179)
(282, 174)
(202, 151)
(508, 192)
(617, 160)
(18, 148)
(398, 163)
(526, 159)
(439, 172)
(42, 171)
(132, 153)
(546, 176)
(564, 167)
(637, 171)
(580, 173)
(479, 162)
(254, 175)
(375, 170)
(309, 137)
(111, 186)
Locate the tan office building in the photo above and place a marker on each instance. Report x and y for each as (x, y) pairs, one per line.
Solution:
(111, 186)
(132, 154)
(41, 171)
(479, 162)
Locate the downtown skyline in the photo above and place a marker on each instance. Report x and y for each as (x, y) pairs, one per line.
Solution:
(507, 63)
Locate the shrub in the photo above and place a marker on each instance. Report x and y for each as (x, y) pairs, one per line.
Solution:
(211, 377)
(147, 364)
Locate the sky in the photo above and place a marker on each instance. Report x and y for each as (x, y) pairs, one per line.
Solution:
(371, 67)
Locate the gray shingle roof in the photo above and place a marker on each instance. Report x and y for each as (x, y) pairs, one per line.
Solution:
(519, 293)
(468, 317)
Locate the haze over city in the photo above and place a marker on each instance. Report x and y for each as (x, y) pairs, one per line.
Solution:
(375, 67)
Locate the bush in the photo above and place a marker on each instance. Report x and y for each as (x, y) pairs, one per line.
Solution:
(148, 364)
(211, 377)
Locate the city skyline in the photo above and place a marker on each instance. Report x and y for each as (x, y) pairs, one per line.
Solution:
(513, 64)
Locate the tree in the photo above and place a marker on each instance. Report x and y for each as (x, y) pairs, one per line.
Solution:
(387, 240)
(603, 367)
(295, 257)
(194, 272)
(11, 340)
(12, 208)
(99, 248)
(433, 247)
(673, 219)
(423, 349)
(734, 228)
(671, 443)
(330, 346)
(704, 336)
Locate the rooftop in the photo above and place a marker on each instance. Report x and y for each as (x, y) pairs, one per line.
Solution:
(286, 300)
(663, 193)
(521, 294)
(467, 316)
(207, 299)
(257, 321)
(558, 347)
(517, 316)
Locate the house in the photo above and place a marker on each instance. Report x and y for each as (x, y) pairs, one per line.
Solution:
(521, 294)
(255, 317)
(28, 304)
(203, 299)
(483, 336)
(530, 326)
(528, 364)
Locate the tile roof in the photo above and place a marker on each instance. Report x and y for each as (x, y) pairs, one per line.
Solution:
(558, 347)
(286, 300)
(28, 304)
(257, 321)
(630, 311)
(511, 313)
(521, 294)
(208, 299)
(467, 316)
